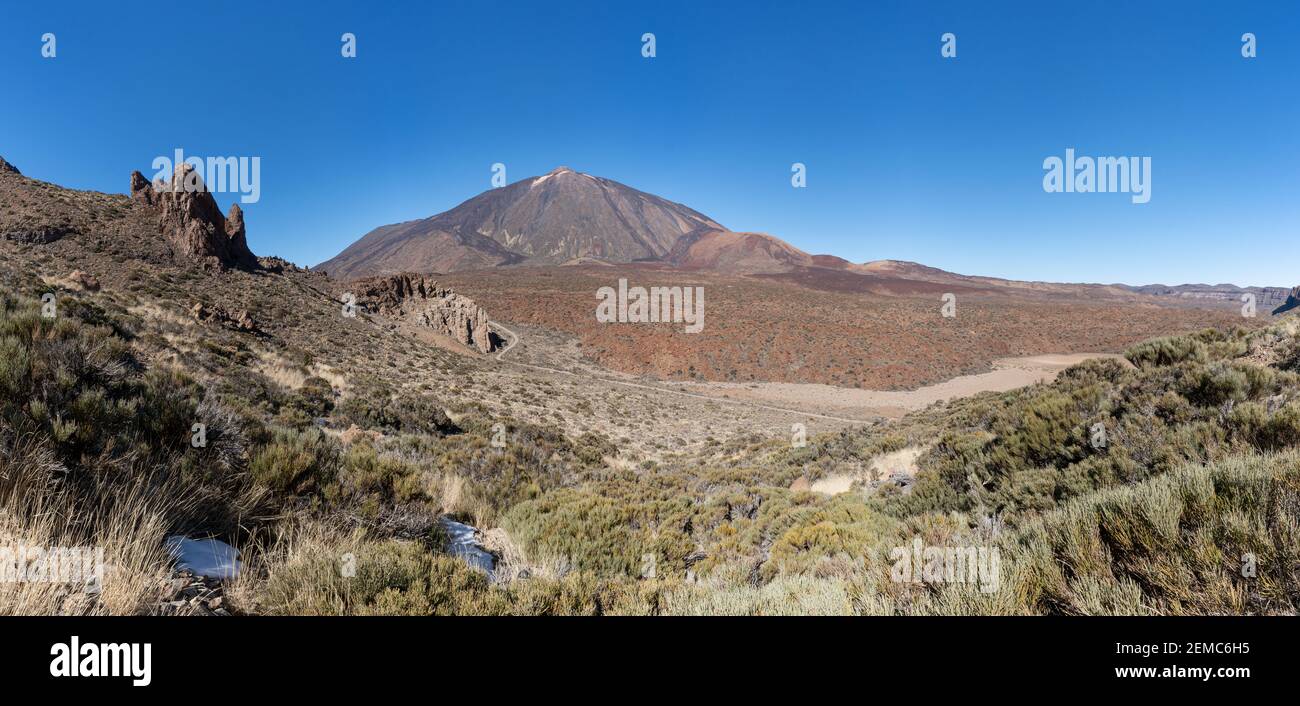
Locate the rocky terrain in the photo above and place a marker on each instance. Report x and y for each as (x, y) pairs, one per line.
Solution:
(188, 217)
(1227, 295)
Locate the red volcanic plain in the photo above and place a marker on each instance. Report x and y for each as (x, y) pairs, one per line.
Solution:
(817, 325)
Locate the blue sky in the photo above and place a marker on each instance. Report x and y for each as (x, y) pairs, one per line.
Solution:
(909, 156)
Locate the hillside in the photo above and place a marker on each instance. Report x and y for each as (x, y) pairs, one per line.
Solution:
(1154, 520)
(736, 253)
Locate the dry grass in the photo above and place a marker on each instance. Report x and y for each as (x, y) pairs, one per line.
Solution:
(128, 523)
(291, 376)
(298, 572)
(729, 592)
(282, 372)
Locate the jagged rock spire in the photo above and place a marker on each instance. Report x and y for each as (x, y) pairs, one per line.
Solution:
(191, 221)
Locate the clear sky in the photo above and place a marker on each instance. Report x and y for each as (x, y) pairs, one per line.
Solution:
(909, 155)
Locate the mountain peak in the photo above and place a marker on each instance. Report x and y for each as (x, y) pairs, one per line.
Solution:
(563, 173)
(558, 217)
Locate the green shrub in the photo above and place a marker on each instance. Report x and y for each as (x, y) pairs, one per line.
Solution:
(1170, 350)
(1252, 423)
(1222, 539)
(378, 408)
(296, 461)
(1216, 384)
(315, 397)
(585, 531)
(365, 471)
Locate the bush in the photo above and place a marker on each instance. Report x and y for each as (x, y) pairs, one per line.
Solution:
(315, 397)
(96, 451)
(1215, 384)
(1172, 545)
(378, 408)
(305, 576)
(1253, 424)
(1170, 350)
(296, 461)
(585, 531)
(367, 472)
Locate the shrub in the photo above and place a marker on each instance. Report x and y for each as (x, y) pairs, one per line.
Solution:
(1216, 384)
(1170, 350)
(296, 461)
(315, 397)
(582, 530)
(304, 575)
(365, 471)
(1253, 424)
(1172, 545)
(378, 408)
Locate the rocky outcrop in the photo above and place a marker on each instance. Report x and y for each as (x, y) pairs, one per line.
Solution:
(278, 265)
(192, 223)
(141, 189)
(234, 320)
(84, 281)
(462, 319)
(7, 168)
(1292, 301)
(38, 233)
(236, 239)
(415, 298)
